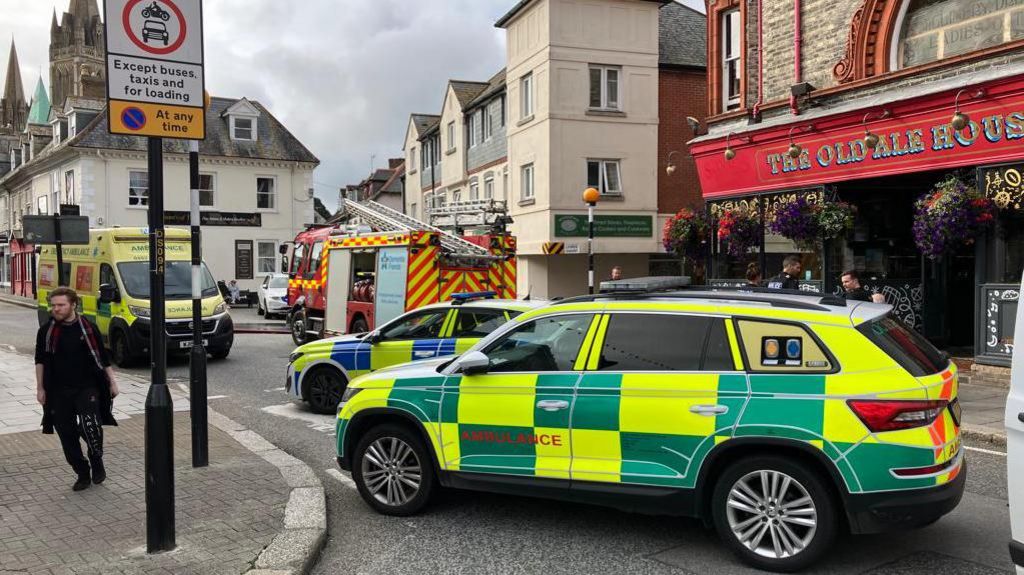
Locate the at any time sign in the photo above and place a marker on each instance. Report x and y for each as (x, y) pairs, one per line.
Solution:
(155, 81)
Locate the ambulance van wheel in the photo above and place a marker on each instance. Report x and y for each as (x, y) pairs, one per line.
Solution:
(120, 351)
(774, 513)
(220, 353)
(325, 387)
(393, 471)
(299, 328)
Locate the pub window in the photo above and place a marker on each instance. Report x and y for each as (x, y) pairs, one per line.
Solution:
(731, 59)
(938, 29)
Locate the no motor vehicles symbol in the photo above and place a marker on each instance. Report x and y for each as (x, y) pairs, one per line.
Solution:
(157, 27)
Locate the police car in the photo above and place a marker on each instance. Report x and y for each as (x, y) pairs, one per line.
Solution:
(778, 418)
(318, 372)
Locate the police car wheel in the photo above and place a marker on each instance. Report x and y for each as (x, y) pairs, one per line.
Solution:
(326, 385)
(775, 513)
(392, 470)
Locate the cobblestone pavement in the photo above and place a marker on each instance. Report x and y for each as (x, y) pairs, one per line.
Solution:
(225, 513)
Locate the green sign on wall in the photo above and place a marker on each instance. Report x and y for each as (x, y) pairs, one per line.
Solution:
(605, 226)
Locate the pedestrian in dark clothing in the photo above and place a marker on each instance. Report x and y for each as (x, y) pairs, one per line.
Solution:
(753, 275)
(790, 276)
(75, 385)
(853, 291)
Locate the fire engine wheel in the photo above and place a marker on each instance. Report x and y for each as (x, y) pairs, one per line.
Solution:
(359, 326)
(325, 387)
(299, 335)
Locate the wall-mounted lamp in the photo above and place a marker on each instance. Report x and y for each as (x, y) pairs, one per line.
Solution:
(671, 167)
(960, 120)
(870, 139)
(729, 152)
(794, 150)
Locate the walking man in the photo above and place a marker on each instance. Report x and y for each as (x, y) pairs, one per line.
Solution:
(790, 276)
(852, 290)
(75, 385)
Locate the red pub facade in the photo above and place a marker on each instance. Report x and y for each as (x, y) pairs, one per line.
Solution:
(795, 89)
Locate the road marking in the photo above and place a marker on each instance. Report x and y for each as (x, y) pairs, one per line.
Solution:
(988, 451)
(341, 477)
(323, 423)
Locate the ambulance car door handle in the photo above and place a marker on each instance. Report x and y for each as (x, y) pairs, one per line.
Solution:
(552, 404)
(709, 409)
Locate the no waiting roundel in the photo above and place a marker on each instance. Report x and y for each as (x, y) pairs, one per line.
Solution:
(155, 26)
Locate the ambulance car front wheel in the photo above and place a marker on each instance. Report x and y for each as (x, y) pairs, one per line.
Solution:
(393, 471)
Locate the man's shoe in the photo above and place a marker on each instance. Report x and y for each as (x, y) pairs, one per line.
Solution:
(98, 472)
(82, 483)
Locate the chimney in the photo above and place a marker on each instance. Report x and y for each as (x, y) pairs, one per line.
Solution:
(395, 162)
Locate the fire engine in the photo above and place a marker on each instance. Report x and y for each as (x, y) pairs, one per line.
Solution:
(351, 278)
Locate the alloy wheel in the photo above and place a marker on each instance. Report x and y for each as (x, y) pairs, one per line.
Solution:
(324, 391)
(771, 514)
(391, 471)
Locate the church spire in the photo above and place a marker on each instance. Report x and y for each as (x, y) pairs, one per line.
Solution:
(14, 92)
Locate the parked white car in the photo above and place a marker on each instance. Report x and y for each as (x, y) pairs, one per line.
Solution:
(1015, 445)
(273, 295)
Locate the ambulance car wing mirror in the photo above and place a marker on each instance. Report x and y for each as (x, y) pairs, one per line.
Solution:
(473, 363)
(108, 294)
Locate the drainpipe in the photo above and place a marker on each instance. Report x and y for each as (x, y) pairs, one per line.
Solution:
(760, 61)
(797, 50)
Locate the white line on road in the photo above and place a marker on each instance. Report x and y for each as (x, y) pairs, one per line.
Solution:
(341, 477)
(988, 451)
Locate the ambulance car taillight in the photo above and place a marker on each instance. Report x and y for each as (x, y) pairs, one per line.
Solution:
(893, 415)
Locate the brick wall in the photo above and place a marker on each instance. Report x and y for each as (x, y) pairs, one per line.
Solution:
(681, 93)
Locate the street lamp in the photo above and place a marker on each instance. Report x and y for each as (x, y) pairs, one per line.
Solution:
(590, 196)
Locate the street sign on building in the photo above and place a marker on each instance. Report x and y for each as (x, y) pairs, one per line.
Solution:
(155, 80)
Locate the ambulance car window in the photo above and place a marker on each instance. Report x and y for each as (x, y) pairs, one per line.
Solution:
(477, 322)
(300, 252)
(425, 325)
(177, 279)
(314, 260)
(653, 342)
(545, 344)
(718, 354)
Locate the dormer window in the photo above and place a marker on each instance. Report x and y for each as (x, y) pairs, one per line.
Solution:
(72, 125)
(56, 131)
(243, 128)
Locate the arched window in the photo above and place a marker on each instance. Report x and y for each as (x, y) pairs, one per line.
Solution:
(931, 30)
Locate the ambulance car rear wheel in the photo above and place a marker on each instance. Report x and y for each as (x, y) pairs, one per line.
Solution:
(393, 470)
(325, 387)
(774, 513)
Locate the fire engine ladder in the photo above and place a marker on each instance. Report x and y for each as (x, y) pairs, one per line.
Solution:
(386, 219)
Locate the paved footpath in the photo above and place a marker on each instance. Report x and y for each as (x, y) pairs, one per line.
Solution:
(253, 507)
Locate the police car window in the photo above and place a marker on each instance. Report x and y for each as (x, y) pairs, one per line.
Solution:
(546, 344)
(778, 347)
(653, 342)
(478, 322)
(425, 325)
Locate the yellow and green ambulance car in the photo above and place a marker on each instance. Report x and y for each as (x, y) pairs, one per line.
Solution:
(119, 258)
(781, 419)
(319, 371)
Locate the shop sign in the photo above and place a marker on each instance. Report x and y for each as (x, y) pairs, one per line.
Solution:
(1004, 184)
(605, 226)
(994, 336)
(243, 260)
(233, 219)
(912, 141)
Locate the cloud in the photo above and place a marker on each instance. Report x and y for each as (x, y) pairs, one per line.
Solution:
(342, 75)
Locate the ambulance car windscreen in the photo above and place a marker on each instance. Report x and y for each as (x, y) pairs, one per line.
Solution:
(177, 280)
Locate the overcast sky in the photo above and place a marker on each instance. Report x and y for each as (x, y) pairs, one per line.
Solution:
(342, 75)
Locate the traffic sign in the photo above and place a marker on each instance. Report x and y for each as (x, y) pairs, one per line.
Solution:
(155, 78)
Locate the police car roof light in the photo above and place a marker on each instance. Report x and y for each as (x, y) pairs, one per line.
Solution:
(461, 298)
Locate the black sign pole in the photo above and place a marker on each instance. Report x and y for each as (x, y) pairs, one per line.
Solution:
(60, 251)
(197, 359)
(159, 415)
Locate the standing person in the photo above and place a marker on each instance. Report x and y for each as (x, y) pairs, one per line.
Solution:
(616, 273)
(753, 275)
(75, 385)
(790, 276)
(853, 291)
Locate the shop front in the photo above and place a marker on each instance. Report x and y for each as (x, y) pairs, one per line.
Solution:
(880, 157)
(22, 268)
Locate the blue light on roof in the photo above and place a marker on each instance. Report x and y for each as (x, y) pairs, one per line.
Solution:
(468, 296)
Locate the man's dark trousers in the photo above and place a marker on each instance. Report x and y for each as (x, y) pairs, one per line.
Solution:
(76, 416)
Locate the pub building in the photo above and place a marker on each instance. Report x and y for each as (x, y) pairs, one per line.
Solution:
(855, 102)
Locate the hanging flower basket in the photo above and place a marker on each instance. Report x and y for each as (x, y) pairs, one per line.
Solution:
(686, 234)
(805, 223)
(739, 232)
(951, 216)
